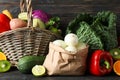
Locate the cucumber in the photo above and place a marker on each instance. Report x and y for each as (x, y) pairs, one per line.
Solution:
(26, 63)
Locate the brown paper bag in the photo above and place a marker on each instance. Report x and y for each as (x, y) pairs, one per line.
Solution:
(61, 62)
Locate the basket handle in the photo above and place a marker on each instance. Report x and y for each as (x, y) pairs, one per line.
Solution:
(25, 5)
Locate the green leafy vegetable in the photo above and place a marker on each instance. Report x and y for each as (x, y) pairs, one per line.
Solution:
(87, 35)
(105, 27)
(53, 22)
(54, 25)
(74, 24)
(98, 31)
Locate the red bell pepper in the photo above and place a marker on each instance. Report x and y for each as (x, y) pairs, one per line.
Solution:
(101, 63)
(4, 23)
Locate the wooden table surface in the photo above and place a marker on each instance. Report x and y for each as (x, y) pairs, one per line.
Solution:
(14, 74)
(67, 10)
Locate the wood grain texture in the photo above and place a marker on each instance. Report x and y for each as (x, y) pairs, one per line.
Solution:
(67, 9)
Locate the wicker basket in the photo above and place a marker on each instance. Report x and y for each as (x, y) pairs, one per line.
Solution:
(25, 41)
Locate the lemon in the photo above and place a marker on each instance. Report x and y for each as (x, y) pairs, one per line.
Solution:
(38, 70)
(4, 65)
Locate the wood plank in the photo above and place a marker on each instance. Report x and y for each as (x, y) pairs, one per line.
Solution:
(67, 9)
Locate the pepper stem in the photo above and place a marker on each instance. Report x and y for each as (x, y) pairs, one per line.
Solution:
(107, 64)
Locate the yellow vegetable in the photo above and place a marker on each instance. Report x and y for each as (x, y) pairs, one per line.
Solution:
(7, 13)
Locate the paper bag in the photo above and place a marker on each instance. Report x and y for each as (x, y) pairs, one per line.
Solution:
(61, 62)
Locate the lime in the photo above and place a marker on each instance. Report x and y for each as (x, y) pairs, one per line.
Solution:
(4, 65)
(38, 70)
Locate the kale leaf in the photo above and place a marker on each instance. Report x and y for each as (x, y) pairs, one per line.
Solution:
(98, 31)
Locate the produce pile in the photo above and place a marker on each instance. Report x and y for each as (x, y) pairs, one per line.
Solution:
(97, 32)
(40, 19)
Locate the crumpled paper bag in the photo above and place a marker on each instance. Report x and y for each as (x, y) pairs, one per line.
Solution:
(61, 62)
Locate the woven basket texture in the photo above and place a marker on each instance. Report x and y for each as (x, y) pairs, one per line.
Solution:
(25, 41)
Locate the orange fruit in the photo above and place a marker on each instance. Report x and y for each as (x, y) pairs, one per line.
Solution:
(7, 13)
(2, 56)
(116, 67)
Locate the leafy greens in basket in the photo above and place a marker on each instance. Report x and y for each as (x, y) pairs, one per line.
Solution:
(98, 31)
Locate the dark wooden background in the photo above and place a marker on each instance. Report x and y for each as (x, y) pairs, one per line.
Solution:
(67, 9)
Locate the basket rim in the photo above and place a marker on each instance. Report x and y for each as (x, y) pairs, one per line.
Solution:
(27, 28)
